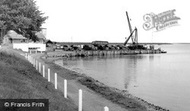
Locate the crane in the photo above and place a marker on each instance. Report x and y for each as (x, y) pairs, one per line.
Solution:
(133, 33)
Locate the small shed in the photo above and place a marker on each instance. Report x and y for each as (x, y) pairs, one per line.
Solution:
(12, 37)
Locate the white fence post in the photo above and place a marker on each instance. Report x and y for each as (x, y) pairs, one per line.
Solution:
(65, 88)
(48, 75)
(80, 100)
(55, 80)
(26, 55)
(28, 58)
(36, 65)
(43, 71)
(32, 62)
(39, 67)
(106, 108)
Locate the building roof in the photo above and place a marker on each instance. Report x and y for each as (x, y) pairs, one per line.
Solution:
(12, 34)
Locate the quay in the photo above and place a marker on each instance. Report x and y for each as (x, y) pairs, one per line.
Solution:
(83, 53)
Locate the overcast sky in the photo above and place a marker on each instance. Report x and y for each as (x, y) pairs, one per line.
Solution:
(89, 20)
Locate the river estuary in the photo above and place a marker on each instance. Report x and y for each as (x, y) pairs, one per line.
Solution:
(161, 79)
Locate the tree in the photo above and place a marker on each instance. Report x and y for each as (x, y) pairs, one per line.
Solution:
(22, 16)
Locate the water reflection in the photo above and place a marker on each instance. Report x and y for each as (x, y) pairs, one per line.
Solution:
(132, 64)
(155, 56)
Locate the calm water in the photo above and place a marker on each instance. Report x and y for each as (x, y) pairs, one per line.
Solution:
(161, 79)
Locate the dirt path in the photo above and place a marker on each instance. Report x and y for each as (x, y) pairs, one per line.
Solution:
(91, 100)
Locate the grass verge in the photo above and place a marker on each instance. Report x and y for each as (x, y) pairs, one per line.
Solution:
(20, 80)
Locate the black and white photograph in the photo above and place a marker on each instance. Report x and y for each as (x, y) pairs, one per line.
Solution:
(94, 55)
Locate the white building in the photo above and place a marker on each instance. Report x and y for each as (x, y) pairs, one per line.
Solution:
(17, 41)
(27, 47)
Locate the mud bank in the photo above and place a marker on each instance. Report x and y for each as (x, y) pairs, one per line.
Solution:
(123, 98)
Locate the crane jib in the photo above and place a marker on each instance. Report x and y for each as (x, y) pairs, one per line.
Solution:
(134, 38)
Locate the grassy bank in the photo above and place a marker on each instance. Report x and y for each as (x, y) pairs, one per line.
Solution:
(20, 80)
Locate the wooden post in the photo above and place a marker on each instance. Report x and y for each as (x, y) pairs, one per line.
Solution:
(43, 71)
(39, 67)
(80, 100)
(33, 61)
(55, 80)
(48, 75)
(28, 58)
(106, 108)
(65, 88)
(36, 65)
(26, 55)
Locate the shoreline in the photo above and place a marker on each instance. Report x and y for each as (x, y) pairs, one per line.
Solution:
(120, 97)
